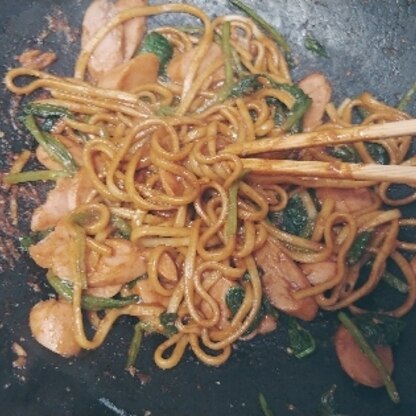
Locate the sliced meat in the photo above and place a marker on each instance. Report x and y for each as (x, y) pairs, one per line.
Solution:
(318, 88)
(68, 194)
(140, 70)
(281, 278)
(134, 29)
(318, 273)
(178, 67)
(120, 43)
(52, 325)
(125, 263)
(148, 295)
(109, 52)
(356, 364)
(347, 200)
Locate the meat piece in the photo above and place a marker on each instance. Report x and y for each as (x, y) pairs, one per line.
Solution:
(178, 67)
(120, 43)
(36, 59)
(73, 147)
(356, 364)
(318, 273)
(134, 29)
(68, 194)
(125, 263)
(347, 200)
(148, 295)
(318, 88)
(140, 70)
(281, 278)
(52, 325)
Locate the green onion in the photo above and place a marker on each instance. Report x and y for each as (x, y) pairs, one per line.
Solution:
(88, 302)
(407, 98)
(311, 44)
(264, 406)
(35, 175)
(372, 356)
(228, 58)
(395, 282)
(301, 341)
(231, 225)
(134, 346)
(53, 147)
(278, 38)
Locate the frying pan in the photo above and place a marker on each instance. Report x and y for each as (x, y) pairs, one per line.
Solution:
(370, 46)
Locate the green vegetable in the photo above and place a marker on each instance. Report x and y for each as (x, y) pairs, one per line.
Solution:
(245, 86)
(272, 32)
(295, 218)
(88, 302)
(166, 111)
(349, 154)
(311, 44)
(358, 247)
(345, 153)
(371, 355)
(35, 175)
(290, 120)
(167, 320)
(53, 147)
(264, 406)
(232, 219)
(234, 298)
(301, 341)
(228, 61)
(395, 282)
(157, 44)
(134, 346)
(328, 405)
(122, 226)
(407, 98)
(33, 238)
(48, 112)
(378, 153)
(379, 329)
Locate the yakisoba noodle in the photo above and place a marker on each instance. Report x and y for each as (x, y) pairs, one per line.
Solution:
(169, 178)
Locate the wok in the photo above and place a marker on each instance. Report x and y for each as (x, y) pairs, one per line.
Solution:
(370, 46)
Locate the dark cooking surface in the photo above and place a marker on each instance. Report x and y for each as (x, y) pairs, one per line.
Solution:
(371, 45)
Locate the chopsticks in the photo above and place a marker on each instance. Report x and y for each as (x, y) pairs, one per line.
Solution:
(339, 170)
(404, 173)
(324, 138)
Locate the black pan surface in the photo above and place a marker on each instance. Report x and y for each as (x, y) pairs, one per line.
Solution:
(370, 46)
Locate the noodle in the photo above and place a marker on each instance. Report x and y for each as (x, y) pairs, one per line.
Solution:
(166, 196)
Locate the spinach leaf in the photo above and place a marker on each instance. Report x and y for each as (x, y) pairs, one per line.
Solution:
(167, 320)
(157, 44)
(379, 329)
(378, 153)
(345, 153)
(245, 86)
(301, 341)
(358, 247)
(294, 219)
